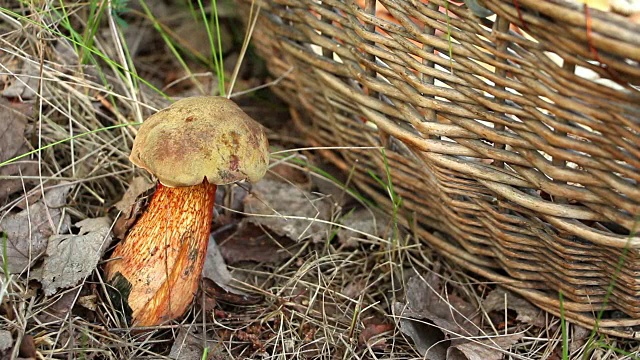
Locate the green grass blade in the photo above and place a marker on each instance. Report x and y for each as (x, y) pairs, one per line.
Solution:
(563, 327)
(446, 7)
(217, 60)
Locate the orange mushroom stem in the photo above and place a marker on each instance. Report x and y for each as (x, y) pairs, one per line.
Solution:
(156, 269)
(161, 260)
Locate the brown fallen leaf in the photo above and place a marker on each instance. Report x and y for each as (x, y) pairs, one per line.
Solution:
(430, 342)
(29, 230)
(493, 348)
(430, 317)
(251, 243)
(11, 66)
(28, 347)
(527, 313)
(13, 121)
(360, 224)
(277, 200)
(230, 200)
(215, 269)
(578, 336)
(186, 346)
(137, 187)
(205, 298)
(58, 307)
(330, 187)
(64, 53)
(214, 294)
(89, 302)
(71, 258)
(131, 205)
(371, 334)
(24, 84)
(287, 172)
(190, 345)
(354, 289)
(6, 342)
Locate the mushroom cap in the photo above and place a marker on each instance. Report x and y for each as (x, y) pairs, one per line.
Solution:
(197, 138)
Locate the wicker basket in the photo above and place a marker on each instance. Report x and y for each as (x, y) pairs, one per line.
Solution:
(514, 140)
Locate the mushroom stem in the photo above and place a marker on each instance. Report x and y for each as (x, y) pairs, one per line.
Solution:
(157, 267)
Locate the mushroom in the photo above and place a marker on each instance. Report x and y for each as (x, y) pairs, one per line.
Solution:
(191, 147)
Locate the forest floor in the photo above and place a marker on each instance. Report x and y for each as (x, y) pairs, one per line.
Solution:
(329, 277)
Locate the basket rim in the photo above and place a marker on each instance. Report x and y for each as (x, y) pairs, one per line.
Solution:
(609, 23)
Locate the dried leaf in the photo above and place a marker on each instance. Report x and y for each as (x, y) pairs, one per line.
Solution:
(330, 187)
(370, 335)
(24, 85)
(58, 307)
(138, 186)
(6, 340)
(527, 313)
(230, 200)
(64, 53)
(71, 258)
(293, 175)
(131, 205)
(18, 168)
(12, 126)
(359, 223)
(190, 346)
(13, 121)
(270, 197)
(186, 346)
(486, 349)
(216, 270)
(28, 231)
(354, 289)
(251, 243)
(429, 340)
(28, 347)
(429, 317)
(206, 298)
(89, 302)
(578, 337)
(11, 65)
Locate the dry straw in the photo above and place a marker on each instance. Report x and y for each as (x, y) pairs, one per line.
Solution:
(513, 140)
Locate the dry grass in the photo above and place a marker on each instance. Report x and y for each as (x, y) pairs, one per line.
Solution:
(315, 304)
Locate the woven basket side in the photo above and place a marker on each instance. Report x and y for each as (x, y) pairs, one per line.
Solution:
(520, 149)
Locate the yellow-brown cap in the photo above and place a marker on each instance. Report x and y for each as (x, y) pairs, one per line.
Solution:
(201, 137)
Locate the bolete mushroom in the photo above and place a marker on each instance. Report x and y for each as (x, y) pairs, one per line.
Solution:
(191, 146)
